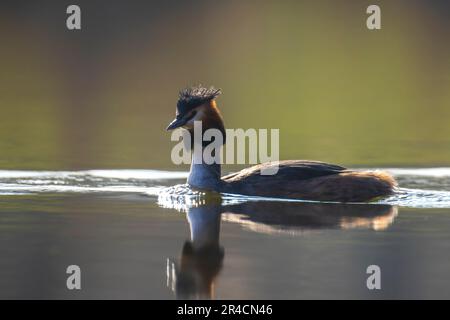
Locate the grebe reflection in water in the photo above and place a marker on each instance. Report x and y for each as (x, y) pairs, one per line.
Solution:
(195, 273)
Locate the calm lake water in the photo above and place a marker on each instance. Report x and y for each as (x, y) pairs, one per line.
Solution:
(135, 238)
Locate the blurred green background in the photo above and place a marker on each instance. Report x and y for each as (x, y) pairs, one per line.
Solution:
(102, 97)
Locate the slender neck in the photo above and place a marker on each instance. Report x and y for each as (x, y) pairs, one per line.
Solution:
(202, 175)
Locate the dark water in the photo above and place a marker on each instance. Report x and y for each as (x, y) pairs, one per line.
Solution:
(134, 238)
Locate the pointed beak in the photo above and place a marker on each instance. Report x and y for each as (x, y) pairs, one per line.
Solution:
(178, 122)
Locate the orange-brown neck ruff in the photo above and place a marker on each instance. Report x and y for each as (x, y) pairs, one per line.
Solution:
(210, 117)
(213, 119)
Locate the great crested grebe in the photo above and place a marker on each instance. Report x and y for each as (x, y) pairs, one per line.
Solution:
(295, 179)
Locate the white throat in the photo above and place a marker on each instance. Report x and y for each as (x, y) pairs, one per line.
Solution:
(202, 175)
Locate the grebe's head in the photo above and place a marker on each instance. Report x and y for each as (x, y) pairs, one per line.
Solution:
(197, 104)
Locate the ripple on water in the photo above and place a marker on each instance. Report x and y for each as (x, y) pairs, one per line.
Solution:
(421, 188)
(13, 182)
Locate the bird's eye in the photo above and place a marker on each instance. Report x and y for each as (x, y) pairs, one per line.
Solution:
(191, 115)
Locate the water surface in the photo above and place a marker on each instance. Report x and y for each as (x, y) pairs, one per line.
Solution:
(135, 235)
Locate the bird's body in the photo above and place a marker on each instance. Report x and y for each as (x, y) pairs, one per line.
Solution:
(310, 180)
(294, 179)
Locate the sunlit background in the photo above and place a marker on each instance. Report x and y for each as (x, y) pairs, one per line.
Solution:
(102, 97)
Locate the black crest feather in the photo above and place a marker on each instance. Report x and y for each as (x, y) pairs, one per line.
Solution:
(192, 97)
